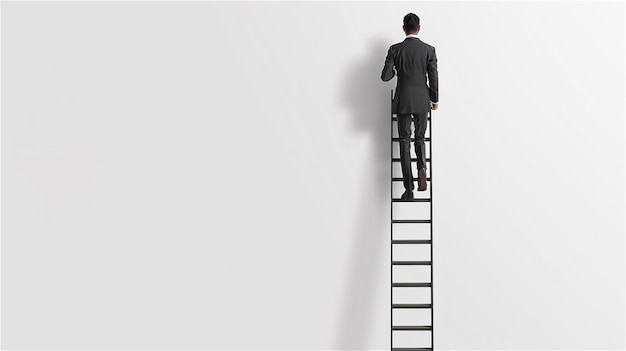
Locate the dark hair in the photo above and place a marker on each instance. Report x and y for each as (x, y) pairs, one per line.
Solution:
(411, 22)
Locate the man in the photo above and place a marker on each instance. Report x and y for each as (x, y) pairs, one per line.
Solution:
(413, 59)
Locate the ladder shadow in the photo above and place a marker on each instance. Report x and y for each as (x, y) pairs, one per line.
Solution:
(368, 101)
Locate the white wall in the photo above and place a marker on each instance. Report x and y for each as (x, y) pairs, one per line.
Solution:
(216, 175)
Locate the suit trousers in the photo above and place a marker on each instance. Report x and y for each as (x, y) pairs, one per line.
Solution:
(404, 135)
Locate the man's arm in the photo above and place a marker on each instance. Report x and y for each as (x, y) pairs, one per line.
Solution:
(433, 79)
(388, 71)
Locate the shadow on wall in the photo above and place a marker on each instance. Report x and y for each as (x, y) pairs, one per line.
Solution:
(368, 100)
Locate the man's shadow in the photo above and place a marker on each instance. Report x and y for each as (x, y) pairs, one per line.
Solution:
(368, 100)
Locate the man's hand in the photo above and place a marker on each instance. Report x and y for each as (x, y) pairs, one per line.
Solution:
(434, 105)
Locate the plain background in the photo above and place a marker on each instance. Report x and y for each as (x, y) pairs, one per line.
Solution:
(212, 175)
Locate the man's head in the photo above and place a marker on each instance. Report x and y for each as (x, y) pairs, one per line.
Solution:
(411, 24)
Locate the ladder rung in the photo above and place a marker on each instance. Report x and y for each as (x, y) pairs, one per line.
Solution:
(410, 241)
(411, 285)
(410, 263)
(411, 327)
(412, 118)
(411, 305)
(410, 221)
(412, 139)
(400, 179)
(426, 199)
(397, 159)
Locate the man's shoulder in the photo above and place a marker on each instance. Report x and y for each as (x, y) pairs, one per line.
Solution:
(429, 46)
(413, 42)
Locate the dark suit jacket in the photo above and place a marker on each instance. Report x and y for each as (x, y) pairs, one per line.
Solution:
(412, 58)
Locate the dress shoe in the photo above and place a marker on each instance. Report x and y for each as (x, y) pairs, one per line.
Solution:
(421, 179)
(408, 195)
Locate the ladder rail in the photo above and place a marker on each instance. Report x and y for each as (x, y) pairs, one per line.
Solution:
(432, 303)
(391, 225)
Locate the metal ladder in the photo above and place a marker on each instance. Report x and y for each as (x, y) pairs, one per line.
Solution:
(419, 262)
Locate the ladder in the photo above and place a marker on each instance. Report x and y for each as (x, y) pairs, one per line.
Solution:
(418, 322)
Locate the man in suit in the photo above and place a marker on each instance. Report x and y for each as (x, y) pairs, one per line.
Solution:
(413, 59)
